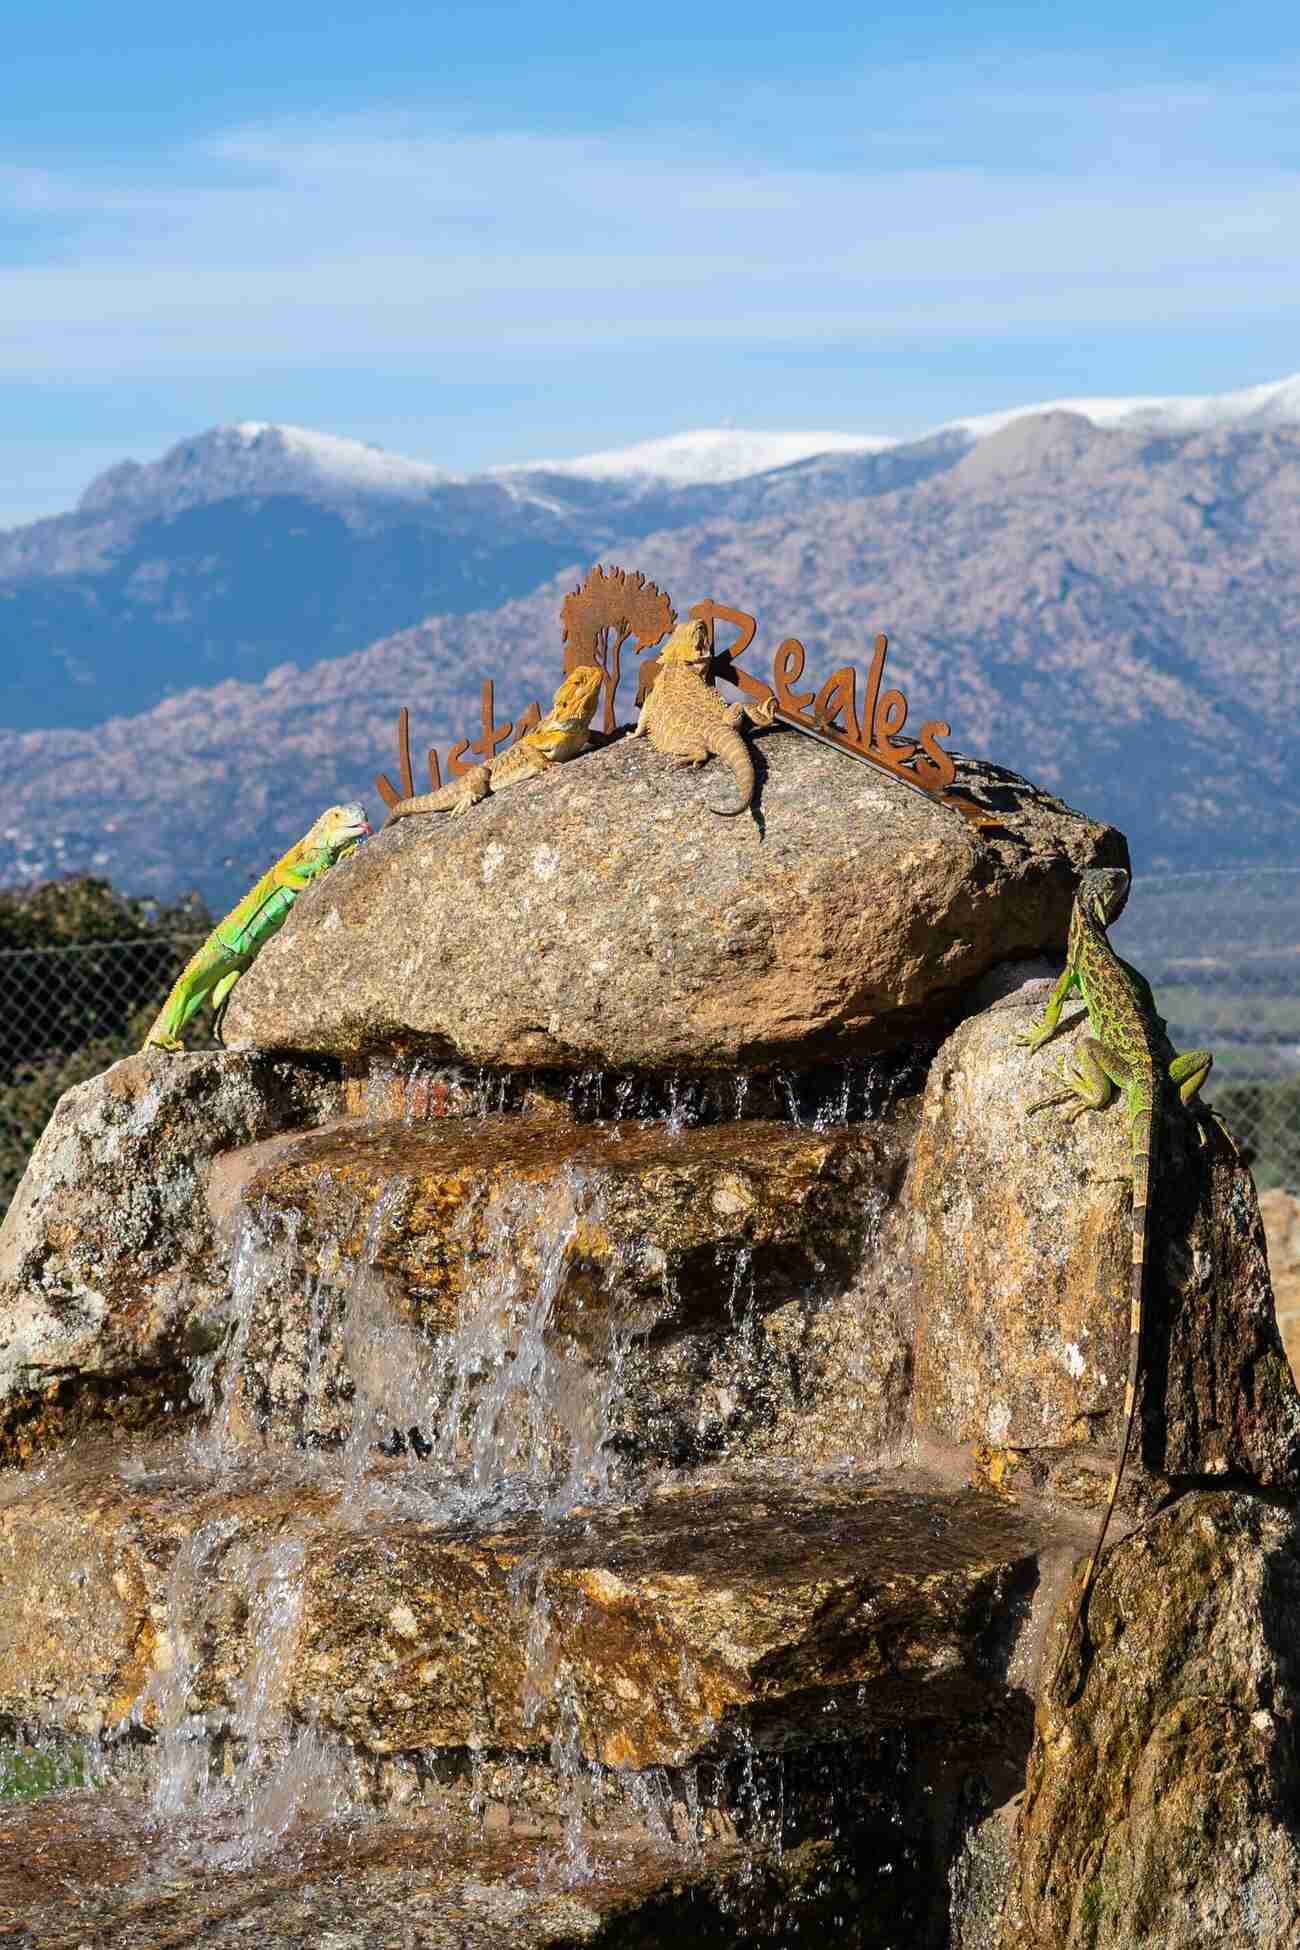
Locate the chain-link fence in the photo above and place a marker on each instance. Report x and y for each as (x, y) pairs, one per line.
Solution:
(65, 1015)
(1221, 950)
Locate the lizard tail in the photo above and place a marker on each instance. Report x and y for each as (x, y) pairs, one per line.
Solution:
(405, 807)
(734, 753)
(1143, 1132)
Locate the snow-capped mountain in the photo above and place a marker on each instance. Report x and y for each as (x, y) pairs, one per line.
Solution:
(256, 544)
(258, 457)
(1108, 612)
(709, 457)
(1276, 404)
(706, 457)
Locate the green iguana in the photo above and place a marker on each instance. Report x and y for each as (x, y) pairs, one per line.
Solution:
(1128, 1051)
(235, 942)
(560, 735)
(685, 717)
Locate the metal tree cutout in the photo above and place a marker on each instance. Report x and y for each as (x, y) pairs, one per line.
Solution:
(601, 614)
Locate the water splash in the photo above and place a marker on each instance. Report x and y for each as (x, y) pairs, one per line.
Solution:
(239, 1764)
(263, 1256)
(522, 1410)
(511, 1410)
(182, 1757)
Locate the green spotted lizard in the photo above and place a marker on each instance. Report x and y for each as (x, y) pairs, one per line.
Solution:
(234, 942)
(560, 735)
(1127, 1050)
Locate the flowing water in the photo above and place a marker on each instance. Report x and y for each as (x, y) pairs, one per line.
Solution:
(506, 1416)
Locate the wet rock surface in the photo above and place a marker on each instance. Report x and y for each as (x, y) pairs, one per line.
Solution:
(656, 1633)
(1161, 1805)
(603, 915)
(94, 1870)
(633, 1503)
(109, 1244)
(1021, 1243)
(679, 1276)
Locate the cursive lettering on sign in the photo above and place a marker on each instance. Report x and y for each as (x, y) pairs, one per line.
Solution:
(865, 719)
(491, 737)
(832, 711)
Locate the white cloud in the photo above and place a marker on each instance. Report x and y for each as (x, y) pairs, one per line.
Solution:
(369, 241)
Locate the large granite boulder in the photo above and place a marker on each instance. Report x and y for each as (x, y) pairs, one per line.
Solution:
(604, 916)
(693, 1442)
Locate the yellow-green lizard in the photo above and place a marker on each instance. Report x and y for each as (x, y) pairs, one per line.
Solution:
(233, 944)
(560, 735)
(1127, 1050)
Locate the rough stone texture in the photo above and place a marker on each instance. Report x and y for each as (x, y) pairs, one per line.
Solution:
(713, 1278)
(1161, 1810)
(1020, 1234)
(603, 915)
(703, 1618)
(698, 1620)
(87, 1872)
(458, 1329)
(109, 1245)
(1281, 1215)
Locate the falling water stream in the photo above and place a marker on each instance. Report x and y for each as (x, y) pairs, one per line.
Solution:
(505, 1417)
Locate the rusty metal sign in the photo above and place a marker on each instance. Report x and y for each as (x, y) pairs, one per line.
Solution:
(492, 736)
(854, 713)
(599, 617)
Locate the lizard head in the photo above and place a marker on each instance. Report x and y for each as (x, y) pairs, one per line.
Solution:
(339, 829)
(1103, 892)
(688, 644)
(576, 697)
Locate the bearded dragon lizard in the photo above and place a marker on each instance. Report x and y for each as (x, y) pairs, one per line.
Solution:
(235, 942)
(1128, 1051)
(560, 735)
(685, 717)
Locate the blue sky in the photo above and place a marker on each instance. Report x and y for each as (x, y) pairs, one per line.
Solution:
(500, 232)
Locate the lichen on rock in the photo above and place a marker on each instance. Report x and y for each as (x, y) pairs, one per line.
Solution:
(1162, 1794)
(689, 1443)
(1020, 1232)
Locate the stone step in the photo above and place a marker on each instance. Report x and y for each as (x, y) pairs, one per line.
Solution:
(86, 1870)
(657, 1289)
(770, 1614)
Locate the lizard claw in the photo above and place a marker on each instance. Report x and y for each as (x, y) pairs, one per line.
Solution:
(1030, 1038)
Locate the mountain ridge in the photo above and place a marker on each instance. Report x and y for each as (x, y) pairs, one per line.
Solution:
(255, 545)
(1109, 611)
